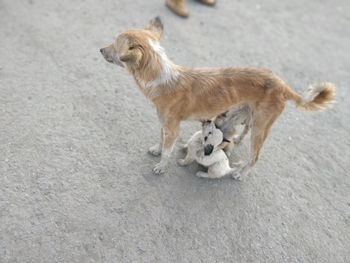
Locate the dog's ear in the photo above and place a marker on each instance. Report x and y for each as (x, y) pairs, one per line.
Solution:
(156, 26)
(132, 58)
(224, 114)
(126, 58)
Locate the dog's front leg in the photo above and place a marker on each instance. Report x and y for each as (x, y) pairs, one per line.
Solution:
(156, 149)
(170, 133)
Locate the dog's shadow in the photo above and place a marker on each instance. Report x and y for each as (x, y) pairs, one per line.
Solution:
(179, 187)
(180, 192)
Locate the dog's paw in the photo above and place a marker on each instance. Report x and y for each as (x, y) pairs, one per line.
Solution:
(241, 172)
(237, 176)
(155, 150)
(159, 168)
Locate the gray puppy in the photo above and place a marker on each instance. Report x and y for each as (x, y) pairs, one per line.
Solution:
(227, 123)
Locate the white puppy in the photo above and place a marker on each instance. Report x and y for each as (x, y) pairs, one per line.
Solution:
(203, 147)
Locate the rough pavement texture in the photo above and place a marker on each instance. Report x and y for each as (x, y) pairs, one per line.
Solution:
(77, 183)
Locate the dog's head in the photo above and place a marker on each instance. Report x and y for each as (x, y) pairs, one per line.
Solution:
(235, 116)
(212, 137)
(133, 48)
(221, 119)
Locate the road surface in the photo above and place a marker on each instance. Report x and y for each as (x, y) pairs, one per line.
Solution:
(77, 182)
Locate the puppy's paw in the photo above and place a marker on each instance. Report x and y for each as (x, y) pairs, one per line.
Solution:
(155, 150)
(159, 168)
(202, 174)
(181, 162)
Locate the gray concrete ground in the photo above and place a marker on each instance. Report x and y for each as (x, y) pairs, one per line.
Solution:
(77, 183)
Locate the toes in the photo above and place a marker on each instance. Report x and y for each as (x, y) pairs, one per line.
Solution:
(237, 177)
(159, 169)
(237, 173)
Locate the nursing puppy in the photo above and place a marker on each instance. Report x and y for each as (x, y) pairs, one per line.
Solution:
(203, 147)
(227, 123)
(181, 93)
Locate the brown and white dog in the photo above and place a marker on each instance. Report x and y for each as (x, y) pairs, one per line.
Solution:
(180, 93)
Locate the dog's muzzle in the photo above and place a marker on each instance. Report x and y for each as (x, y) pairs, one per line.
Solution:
(111, 58)
(208, 149)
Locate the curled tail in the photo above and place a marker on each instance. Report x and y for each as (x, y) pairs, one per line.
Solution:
(318, 97)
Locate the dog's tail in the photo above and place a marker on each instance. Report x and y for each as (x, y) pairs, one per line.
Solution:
(319, 97)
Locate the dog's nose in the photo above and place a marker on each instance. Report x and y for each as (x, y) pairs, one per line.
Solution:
(101, 50)
(208, 149)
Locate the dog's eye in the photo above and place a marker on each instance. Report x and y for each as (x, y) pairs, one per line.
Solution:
(210, 133)
(131, 48)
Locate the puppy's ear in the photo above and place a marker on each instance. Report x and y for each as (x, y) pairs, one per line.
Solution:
(156, 26)
(205, 122)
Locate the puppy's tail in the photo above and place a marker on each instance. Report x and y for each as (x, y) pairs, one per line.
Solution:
(318, 97)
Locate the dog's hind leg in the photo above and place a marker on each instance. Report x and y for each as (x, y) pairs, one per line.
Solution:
(170, 133)
(261, 126)
(156, 149)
